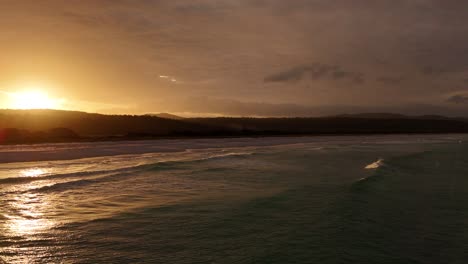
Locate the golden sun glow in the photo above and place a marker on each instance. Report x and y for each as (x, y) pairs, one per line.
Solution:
(33, 172)
(33, 99)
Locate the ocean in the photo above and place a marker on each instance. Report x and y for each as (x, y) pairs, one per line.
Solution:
(344, 199)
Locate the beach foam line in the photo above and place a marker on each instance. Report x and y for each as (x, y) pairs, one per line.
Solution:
(374, 165)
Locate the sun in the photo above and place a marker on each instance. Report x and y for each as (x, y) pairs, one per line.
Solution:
(32, 99)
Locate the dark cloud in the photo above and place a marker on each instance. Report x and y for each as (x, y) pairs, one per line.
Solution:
(458, 99)
(294, 74)
(315, 71)
(390, 80)
(357, 77)
(430, 70)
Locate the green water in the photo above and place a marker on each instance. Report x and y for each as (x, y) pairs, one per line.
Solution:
(302, 203)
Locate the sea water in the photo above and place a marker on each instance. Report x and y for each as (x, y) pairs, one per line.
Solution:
(374, 199)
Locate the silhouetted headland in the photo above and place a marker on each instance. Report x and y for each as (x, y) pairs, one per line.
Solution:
(37, 126)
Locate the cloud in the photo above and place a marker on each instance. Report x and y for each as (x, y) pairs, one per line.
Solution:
(357, 77)
(458, 99)
(315, 71)
(390, 80)
(236, 49)
(210, 106)
(294, 74)
(230, 107)
(131, 22)
(203, 7)
(83, 19)
(431, 70)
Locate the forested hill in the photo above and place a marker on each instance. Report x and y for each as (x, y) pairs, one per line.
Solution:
(32, 126)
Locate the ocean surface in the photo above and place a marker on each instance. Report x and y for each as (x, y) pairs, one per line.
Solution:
(351, 199)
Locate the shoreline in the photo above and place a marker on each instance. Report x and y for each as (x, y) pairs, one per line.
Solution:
(91, 149)
(91, 139)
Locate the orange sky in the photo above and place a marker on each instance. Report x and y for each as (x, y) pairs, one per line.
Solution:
(245, 57)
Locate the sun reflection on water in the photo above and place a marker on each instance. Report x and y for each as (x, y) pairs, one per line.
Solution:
(25, 212)
(26, 216)
(34, 172)
(27, 227)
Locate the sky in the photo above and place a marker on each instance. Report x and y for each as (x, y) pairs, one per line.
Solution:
(239, 57)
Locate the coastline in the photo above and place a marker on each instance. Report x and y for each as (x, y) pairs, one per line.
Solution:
(48, 151)
(90, 139)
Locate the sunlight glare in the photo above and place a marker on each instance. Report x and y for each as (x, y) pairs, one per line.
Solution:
(33, 172)
(33, 99)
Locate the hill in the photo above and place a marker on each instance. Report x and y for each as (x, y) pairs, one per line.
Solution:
(167, 116)
(33, 126)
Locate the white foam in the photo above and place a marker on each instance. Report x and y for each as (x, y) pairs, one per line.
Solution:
(80, 150)
(375, 165)
(70, 151)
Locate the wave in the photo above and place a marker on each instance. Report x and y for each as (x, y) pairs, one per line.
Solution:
(375, 165)
(63, 186)
(372, 166)
(224, 155)
(150, 165)
(24, 179)
(71, 151)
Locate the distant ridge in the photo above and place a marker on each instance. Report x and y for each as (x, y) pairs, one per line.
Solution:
(36, 126)
(390, 116)
(167, 116)
(373, 115)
